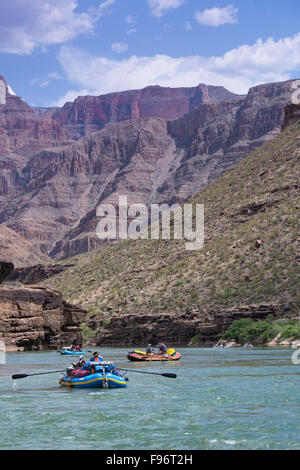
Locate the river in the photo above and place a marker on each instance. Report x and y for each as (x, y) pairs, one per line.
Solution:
(221, 399)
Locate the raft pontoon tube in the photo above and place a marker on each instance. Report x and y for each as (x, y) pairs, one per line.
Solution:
(71, 352)
(106, 376)
(171, 355)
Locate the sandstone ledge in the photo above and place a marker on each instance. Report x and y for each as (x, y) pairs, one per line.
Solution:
(207, 325)
(35, 318)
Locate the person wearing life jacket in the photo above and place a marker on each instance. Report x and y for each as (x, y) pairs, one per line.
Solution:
(80, 363)
(162, 348)
(149, 350)
(96, 357)
(91, 367)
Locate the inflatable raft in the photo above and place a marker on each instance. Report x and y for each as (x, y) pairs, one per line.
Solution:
(71, 352)
(106, 376)
(98, 380)
(171, 355)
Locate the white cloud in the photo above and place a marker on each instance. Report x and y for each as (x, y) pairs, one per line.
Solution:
(129, 19)
(35, 23)
(55, 75)
(217, 16)
(159, 7)
(188, 25)
(131, 31)
(119, 47)
(71, 95)
(104, 5)
(237, 70)
(45, 83)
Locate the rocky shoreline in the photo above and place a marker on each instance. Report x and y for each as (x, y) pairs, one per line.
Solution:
(36, 318)
(195, 327)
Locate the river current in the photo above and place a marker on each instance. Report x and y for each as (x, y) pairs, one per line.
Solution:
(221, 399)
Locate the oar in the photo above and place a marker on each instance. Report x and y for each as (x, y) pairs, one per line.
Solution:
(22, 376)
(165, 374)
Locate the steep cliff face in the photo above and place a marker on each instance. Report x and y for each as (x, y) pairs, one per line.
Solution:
(34, 273)
(62, 189)
(203, 326)
(21, 127)
(262, 111)
(15, 248)
(35, 317)
(150, 290)
(88, 114)
(51, 198)
(292, 114)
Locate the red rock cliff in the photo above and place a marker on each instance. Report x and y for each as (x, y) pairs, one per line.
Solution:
(90, 113)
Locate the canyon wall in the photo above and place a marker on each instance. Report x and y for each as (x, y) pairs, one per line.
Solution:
(201, 327)
(50, 197)
(34, 318)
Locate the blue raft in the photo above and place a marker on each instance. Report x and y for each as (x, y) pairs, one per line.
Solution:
(70, 352)
(98, 380)
(106, 376)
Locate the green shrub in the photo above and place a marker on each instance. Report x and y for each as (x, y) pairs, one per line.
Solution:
(262, 331)
(87, 332)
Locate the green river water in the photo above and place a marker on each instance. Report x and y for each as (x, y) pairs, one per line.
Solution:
(222, 399)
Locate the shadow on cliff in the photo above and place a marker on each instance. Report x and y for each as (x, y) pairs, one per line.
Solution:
(5, 270)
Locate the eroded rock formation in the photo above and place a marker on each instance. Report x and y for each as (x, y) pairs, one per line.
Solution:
(34, 318)
(205, 326)
(36, 273)
(50, 199)
(89, 114)
(22, 128)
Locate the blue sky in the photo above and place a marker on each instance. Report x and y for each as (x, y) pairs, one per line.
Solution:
(52, 51)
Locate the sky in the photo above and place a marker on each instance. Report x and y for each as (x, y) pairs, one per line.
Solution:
(52, 51)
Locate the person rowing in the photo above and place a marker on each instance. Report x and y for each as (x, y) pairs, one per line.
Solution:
(149, 350)
(162, 348)
(80, 363)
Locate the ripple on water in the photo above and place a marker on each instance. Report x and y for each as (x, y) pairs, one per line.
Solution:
(221, 400)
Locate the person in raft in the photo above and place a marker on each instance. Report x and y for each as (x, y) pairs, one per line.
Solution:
(96, 357)
(80, 363)
(149, 350)
(162, 348)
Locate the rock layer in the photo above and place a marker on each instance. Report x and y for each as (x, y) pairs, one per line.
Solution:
(36, 273)
(51, 198)
(34, 318)
(21, 127)
(205, 326)
(88, 114)
(37, 318)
